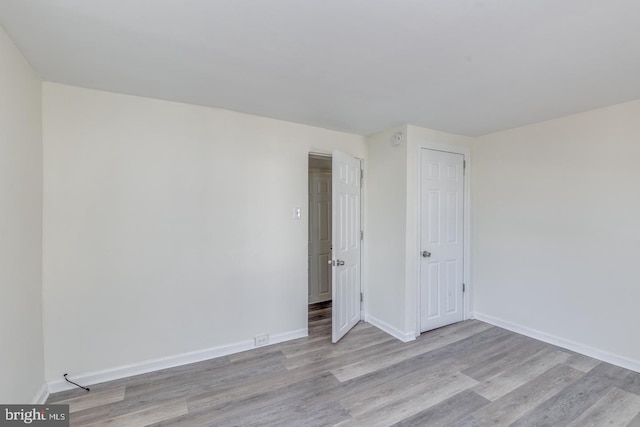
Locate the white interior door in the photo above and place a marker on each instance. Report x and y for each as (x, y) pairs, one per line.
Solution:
(319, 237)
(441, 238)
(346, 244)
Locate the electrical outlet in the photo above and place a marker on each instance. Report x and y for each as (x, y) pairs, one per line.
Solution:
(261, 340)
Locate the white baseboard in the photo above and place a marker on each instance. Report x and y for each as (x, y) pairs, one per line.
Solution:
(42, 395)
(605, 356)
(402, 336)
(90, 378)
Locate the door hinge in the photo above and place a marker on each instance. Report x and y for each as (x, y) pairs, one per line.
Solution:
(361, 176)
(464, 167)
(361, 297)
(361, 235)
(464, 288)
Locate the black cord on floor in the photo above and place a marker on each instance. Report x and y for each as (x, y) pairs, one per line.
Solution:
(76, 384)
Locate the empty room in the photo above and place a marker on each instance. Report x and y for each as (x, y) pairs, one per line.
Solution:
(354, 213)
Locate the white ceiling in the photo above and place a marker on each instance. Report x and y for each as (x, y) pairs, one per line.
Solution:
(463, 66)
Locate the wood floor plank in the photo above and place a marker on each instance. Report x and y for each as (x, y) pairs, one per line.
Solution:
(330, 362)
(147, 415)
(358, 403)
(299, 348)
(366, 366)
(198, 380)
(520, 373)
(523, 399)
(352, 344)
(406, 402)
(92, 400)
(78, 392)
(326, 414)
(307, 394)
(635, 422)
(505, 360)
(227, 396)
(176, 372)
(567, 405)
(446, 360)
(469, 351)
(618, 377)
(617, 408)
(447, 413)
(90, 416)
(581, 362)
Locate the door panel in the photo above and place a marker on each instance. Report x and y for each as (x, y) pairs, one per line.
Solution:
(346, 244)
(319, 237)
(441, 236)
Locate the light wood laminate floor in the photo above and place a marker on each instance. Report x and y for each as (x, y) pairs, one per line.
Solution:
(467, 374)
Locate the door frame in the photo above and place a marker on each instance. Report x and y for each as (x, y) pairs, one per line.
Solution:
(467, 299)
(329, 155)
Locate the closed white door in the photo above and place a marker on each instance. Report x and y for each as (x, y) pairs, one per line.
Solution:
(441, 238)
(346, 244)
(319, 237)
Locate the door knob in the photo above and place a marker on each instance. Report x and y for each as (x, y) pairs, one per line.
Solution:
(426, 254)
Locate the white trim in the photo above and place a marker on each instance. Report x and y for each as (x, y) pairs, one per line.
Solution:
(402, 336)
(42, 395)
(466, 153)
(90, 378)
(605, 356)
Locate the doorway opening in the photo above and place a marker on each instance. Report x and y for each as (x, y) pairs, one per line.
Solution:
(335, 238)
(319, 266)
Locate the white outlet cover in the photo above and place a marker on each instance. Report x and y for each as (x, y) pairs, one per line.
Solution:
(261, 340)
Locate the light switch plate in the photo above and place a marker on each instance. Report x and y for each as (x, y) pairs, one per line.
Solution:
(297, 213)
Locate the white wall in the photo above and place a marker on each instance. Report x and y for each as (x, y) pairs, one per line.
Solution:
(21, 357)
(168, 227)
(385, 227)
(556, 209)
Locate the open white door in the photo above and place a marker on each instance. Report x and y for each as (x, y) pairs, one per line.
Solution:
(346, 244)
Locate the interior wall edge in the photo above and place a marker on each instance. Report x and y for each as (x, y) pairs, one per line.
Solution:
(21, 187)
(385, 327)
(42, 395)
